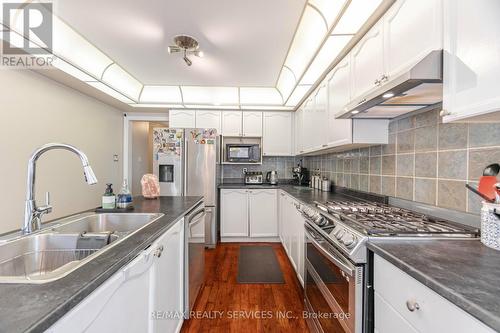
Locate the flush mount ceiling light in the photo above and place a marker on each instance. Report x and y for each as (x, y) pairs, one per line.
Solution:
(187, 45)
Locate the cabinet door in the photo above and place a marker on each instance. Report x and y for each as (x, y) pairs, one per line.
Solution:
(471, 59)
(281, 217)
(412, 29)
(293, 234)
(277, 138)
(367, 61)
(234, 213)
(299, 225)
(252, 123)
(299, 124)
(121, 304)
(308, 125)
(168, 279)
(263, 213)
(320, 117)
(182, 118)
(339, 95)
(208, 119)
(231, 123)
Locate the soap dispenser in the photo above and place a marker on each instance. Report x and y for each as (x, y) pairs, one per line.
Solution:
(124, 199)
(108, 198)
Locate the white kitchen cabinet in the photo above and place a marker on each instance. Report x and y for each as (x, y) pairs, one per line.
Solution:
(412, 29)
(281, 217)
(367, 60)
(168, 279)
(252, 123)
(234, 213)
(396, 293)
(232, 123)
(182, 118)
(298, 128)
(263, 213)
(320, 117)
(471, 60)
(292, 233)
(308, 125)
(277, 138)
(208, 119)
(339, 94)
(249, 215)
(153, 281)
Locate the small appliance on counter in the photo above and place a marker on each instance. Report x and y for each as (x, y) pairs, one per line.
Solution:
(272, 177)
(253, 178)
(300, 175)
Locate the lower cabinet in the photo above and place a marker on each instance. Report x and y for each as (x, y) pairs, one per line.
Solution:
(403, 304)
(248, 214)
(138, 298)
(292, 233)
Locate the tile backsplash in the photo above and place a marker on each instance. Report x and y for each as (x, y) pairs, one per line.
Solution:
(425, 161)
(283, 165)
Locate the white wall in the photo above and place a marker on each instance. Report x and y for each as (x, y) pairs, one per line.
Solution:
(35, 110)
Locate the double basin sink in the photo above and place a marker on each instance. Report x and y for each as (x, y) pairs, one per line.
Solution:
(66, 244)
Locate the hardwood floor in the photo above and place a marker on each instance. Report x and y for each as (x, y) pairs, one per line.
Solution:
(234, 307)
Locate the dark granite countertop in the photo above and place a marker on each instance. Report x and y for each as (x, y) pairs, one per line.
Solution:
(35, 307)
(465, 272)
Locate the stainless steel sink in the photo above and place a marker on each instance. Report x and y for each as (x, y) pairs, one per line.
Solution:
(65, 245)
(113, 222)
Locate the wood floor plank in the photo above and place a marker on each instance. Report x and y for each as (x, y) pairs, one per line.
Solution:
(251, 308)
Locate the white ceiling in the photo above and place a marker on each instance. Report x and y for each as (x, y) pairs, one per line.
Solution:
(245, 41)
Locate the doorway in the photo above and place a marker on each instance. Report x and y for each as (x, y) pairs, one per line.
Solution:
(138, 147)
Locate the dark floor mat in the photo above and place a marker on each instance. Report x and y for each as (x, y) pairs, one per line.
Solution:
(258, 264)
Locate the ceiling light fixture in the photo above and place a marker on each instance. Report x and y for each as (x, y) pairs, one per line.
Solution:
(187, 45)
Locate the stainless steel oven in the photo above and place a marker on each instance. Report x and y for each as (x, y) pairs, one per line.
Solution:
(333, 287)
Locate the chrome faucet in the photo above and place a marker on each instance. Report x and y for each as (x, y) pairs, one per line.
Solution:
(32, 213)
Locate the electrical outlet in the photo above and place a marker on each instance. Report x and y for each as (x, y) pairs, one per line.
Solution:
(115, 158)
(245, 170)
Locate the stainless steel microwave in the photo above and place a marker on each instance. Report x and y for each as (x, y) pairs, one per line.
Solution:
(243, 153)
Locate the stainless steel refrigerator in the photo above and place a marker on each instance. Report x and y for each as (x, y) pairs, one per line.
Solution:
(185, 161)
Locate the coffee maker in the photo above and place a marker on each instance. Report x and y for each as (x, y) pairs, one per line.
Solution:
(300, 175)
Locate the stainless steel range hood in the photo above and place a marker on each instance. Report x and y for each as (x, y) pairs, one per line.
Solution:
(418, 88)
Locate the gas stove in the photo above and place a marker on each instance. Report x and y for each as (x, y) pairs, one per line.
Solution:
(348, 224)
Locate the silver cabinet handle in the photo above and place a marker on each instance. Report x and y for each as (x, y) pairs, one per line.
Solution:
(158, 251)
(412, 305)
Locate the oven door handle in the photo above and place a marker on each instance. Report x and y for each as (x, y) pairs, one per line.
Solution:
(343, 266)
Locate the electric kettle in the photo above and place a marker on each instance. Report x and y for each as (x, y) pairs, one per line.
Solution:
(272, 177)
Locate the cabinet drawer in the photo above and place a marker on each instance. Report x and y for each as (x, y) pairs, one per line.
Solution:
(387, 320)
(435, 313)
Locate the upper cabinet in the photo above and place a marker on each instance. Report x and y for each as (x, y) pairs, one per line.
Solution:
(471, 60)
(252, 123)
(298, 142)
(209, 119)
(320, 117)
(412, 29)
(232, 123)
(277, 138)
(238, 123)
(367, 59)
(182, 118)
(339, 94)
